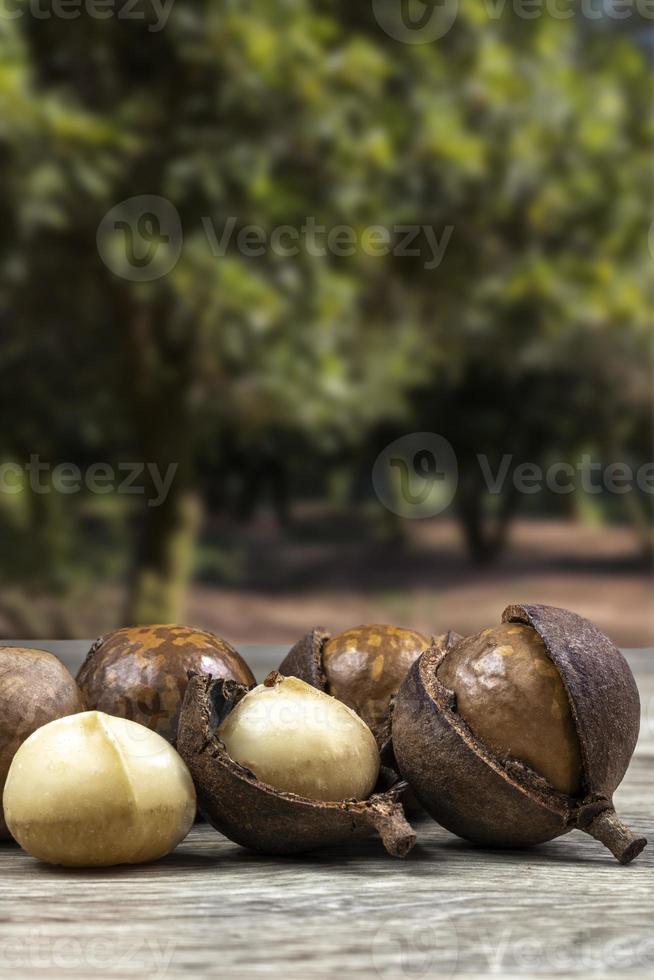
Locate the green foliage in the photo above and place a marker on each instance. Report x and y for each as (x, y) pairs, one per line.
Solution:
(530, 138)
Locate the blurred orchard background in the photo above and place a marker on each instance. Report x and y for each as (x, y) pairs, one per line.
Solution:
(271, 383)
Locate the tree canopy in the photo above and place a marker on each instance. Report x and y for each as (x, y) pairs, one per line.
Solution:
(528, 139)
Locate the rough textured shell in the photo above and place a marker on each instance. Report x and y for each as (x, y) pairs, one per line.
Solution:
(473, 794)
(448, 769)
(304, 660)
(140, 673)
(257, 816)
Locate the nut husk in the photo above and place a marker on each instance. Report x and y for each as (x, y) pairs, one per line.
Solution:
(363, 667)
(256, 815)
(140, 673)
(476, 793)
(35, 688)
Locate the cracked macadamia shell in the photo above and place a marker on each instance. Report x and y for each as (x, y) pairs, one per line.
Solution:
(140, 673)
(302, 741)
(475, 754)
(94, 790)
(35, 688)
(259, 816)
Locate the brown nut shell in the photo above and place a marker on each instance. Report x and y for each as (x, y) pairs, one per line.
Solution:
(256, 815)
(601, 688)
(304, 660)
(363, 666)
(140, 673)
(35, 688)
(475, 794)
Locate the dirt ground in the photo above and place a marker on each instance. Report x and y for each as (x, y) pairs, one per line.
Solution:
(332, 569)
(336, 581)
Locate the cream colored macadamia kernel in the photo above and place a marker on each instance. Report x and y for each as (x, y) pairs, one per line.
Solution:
(299, 740)
(95, 790)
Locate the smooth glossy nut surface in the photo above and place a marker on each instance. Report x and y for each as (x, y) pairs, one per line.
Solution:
(141, 672)
(94, 790)
(300, 740)
(365, 666)
(511, 695)
(35, 688)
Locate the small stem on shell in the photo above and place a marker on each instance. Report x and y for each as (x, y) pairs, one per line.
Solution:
(397, 834)
(622, 842)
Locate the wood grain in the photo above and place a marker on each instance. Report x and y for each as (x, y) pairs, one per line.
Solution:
(212, 909)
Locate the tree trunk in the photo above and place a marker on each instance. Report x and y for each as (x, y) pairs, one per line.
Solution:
(161, 365)
(485, 537)
(165, 559)
(638, 512)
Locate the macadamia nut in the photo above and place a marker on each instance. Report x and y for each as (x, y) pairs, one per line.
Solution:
(35, 688)
(94, 790)
(299, 740)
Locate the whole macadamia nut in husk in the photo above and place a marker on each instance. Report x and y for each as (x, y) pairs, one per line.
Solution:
(92, 790)
(522, 733)
(35, 688)
(363, 667)
(512, 697)
(140, 672)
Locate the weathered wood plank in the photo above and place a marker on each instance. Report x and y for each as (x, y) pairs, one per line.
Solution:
(214, 909)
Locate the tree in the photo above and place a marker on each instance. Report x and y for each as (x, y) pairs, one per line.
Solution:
(527, 140)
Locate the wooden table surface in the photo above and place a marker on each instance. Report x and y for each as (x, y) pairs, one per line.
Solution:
(448, 910)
